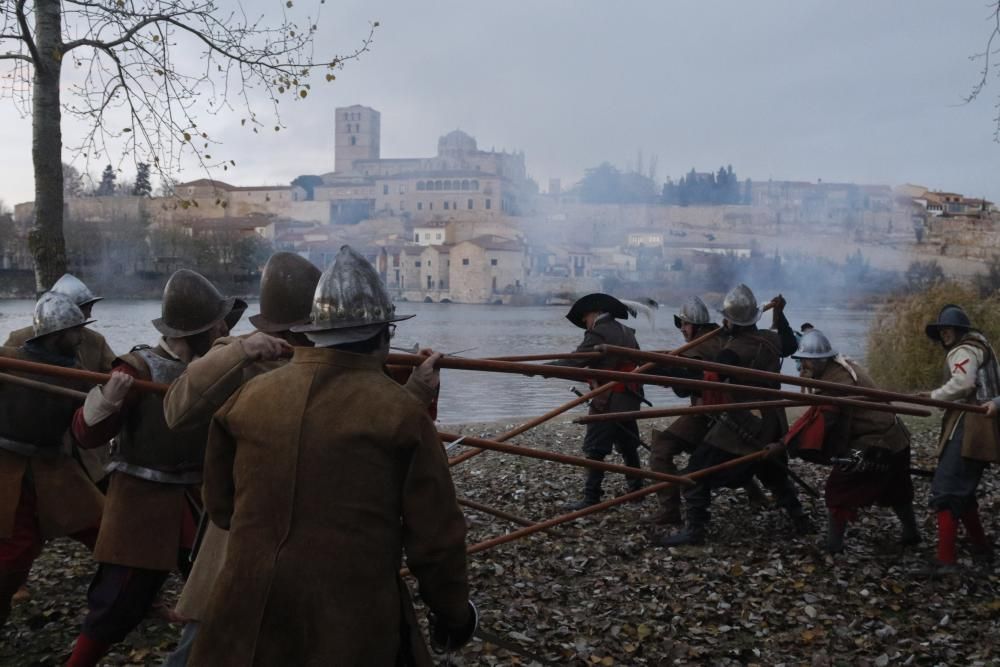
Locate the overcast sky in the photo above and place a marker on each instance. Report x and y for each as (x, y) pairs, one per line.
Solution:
(853, 90)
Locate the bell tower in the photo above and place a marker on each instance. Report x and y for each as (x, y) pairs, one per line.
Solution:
(357, 135)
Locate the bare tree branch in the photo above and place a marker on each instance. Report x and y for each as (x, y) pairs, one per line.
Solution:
(22, 21)
(986, 56)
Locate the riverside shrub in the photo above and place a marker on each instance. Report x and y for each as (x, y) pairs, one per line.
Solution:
(901, 357)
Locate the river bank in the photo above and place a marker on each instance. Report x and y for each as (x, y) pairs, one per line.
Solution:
(598, 592)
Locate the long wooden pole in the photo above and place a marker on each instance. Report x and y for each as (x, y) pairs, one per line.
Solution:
(75, 374)
(43, 386)
(500, 514)
(643, 378)
(739, 371)
(552, 356)
(685, 410)
(580, 400)
(600, 507)
(569, 459)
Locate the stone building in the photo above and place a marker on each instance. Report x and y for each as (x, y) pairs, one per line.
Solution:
(460, 182)
(487, 269)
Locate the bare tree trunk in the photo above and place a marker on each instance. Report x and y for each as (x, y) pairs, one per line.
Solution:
(47, 243)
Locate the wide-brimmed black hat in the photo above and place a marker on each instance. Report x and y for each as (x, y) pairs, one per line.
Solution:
(596, 303)
(950, 317)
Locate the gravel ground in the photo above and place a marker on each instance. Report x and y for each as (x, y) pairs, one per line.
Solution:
(597, 592)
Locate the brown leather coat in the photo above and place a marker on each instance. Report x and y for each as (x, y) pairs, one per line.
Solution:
(67, 501)
(143, 520)
(849, 429)
(760, 349)
(192, 399)
(325, 471)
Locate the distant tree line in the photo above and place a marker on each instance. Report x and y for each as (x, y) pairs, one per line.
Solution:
(75, 185)
(707, 189)
(606, 184)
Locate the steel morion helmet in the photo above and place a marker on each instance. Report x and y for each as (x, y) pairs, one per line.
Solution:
(950, 317)
(191, 305)
(350, 304)
(71, 286)
(55, 312)
(286, 292)
(694, 311)
(740, 306)
(814, 345)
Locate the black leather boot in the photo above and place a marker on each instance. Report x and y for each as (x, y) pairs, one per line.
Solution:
(591, 491)
(910, 535)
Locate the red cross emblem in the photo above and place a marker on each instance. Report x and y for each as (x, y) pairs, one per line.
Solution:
(960, 366)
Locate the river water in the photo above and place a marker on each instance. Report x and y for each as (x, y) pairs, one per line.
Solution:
(492, 331)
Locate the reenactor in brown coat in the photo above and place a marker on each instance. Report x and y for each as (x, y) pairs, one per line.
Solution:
(969, 442)
(94, 354)
(148, 524)
(687, 431)
(325, 472)
(869, 449)
(740, 432)
(44, 493)
(598, 315)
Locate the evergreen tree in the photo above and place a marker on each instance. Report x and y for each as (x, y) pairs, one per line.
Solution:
(142, 187)
(106, 188)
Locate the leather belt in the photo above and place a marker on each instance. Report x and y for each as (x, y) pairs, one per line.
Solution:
(151, 475)
(25, 449)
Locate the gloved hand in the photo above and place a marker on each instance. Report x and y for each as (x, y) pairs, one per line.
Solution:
(445, 639)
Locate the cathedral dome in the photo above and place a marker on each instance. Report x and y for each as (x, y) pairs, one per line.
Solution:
(456, 142)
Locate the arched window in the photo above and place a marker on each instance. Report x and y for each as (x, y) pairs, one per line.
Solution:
(465, 185)
(437, 185)
(420, 185)
(475, 185)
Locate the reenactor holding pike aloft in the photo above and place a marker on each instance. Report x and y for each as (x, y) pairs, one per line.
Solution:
(740, 432)
(868, 449)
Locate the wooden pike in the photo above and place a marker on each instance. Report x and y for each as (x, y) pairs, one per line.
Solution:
(75, 374)
(637, 377)
(43, 386)
(738, 371)
(580, 400)
(685, 410)
(500, 514)
(600, 507)
(569, 459)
